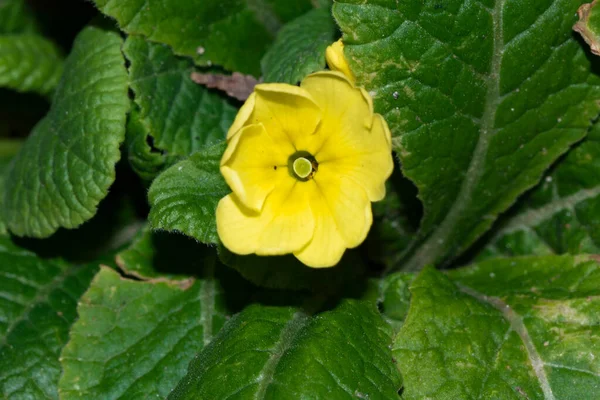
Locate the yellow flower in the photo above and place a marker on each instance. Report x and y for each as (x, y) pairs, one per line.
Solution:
(304, 164)
(337, 60)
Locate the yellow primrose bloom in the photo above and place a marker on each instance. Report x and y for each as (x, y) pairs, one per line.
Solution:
(336, 60)
(304, 164)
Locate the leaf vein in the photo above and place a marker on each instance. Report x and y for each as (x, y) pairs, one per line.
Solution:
(518, 326)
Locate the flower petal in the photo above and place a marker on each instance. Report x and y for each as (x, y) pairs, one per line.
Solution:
(285, 224)
(357, 140)
(366, 160)
(253, 165)
(289, 114)
(340, 100)
(327, 245)
(336, 60)
(348, 204)
(242, 116)
(237, 226)
(291, 223)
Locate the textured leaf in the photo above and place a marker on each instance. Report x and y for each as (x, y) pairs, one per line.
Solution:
(269, 352)
(16, 17)
(68, 163)
(562, 214)
(134, 340)
(8, 149)
(179, 115)
(184, 198)
(394, 298)
(29, 63)
(287, 272)
(522, 328)
(231, 33)
(37, 306)
(145, 160)
(481, 98)
(299, 48)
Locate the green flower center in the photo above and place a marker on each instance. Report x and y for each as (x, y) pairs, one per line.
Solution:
(302, 165)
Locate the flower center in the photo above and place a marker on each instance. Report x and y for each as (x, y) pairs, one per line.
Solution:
(302, 167)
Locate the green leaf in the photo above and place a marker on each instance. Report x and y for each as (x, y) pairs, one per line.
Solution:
(480, 98)
(231, 33)
(8, 149)
(394, 298)
(504, 329)
(145, 160)
(269, 352)
(184, 198)
(135, 339)
(29, 63)
(180, 115)
(299, 48)
(561, 214)
(68, 163)
(16, 17)
(37, 306)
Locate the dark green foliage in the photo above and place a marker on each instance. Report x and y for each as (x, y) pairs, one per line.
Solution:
(478, 280)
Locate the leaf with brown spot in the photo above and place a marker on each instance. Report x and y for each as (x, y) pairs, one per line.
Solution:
(588, 25)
